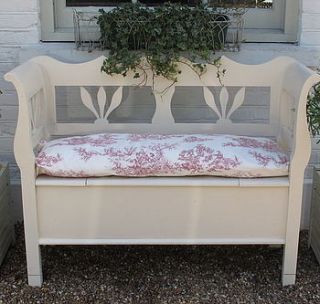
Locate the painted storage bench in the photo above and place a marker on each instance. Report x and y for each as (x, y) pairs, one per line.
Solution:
(79, 207)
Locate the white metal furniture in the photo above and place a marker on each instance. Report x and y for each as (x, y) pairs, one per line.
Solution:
(184, 210)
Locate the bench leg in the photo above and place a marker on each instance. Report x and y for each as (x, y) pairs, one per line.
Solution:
(34, 267)
(288, 279)
(34, 281)
(289, 265)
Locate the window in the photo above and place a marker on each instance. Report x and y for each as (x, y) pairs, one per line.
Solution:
(112, 3)
(265, 21)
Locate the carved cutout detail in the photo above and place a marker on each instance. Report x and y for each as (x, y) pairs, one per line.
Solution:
(36, 110)
(224, 99)
(102, 116)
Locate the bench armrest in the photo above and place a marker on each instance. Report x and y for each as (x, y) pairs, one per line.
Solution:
(297, 83)
(32, 125)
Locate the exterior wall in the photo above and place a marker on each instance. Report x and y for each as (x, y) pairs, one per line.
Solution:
(310, 22)
(19, 40)
(19, 25)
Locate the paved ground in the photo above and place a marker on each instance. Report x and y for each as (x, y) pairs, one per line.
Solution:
(160, 274)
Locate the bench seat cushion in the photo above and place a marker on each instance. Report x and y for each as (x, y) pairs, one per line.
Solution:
(162, 155)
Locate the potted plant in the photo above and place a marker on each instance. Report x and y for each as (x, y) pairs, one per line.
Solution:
(313, 110)
(160, 36)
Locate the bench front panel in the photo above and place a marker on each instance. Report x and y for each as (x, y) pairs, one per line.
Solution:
(161, 214)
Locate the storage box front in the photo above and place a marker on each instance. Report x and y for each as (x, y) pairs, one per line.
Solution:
(153, 214)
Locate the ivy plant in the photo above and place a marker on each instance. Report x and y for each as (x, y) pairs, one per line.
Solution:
(162, 36)
(313, 110)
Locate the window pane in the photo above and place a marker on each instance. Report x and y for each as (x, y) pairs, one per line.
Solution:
(94, 2)
(115, 2)
(155, 2)
(247, 3)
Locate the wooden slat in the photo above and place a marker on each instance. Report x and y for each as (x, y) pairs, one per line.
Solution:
(64, 129)
(248, 241)
(195, 181)
(60, 181)
(265, 182)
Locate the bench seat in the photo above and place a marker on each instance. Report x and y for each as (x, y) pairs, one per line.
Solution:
(140, 155)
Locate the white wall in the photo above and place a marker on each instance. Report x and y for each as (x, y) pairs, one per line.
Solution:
(19, 26)
(19, 40)
(310, 23)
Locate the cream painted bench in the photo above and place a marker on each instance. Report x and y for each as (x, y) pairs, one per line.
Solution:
(175, 210)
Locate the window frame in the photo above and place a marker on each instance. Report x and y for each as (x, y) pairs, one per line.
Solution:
(288, 33)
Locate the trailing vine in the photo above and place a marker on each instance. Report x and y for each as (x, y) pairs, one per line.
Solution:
(141, 38)
(313, 110)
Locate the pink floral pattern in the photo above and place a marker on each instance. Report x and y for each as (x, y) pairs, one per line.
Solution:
(162, 155)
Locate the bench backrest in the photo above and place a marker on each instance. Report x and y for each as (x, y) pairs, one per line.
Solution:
(223, 98)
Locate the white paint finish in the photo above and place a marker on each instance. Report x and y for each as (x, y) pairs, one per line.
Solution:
(9, 54)
(250, 54)
(175, 211)
(6, 144)
(264, 182)
(278, 24)
(311, 38)
(9, 98)
(62, 182)
(20, 36)
(162, 119)
(310, 6)
(8, 129)
(66, 129)
(25, 9)
(260, 241)
(156, 212)
(6, 66)
(196, 181)
(19, 6)
(288, 279)
(19, 23)
(9, 113)
(15, 21)
(310, 22)
(35, 280)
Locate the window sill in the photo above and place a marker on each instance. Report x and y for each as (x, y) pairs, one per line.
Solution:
(249, 35)
(251, 53)
(268, 35)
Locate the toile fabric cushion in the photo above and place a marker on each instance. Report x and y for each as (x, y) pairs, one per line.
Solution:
(162, 155)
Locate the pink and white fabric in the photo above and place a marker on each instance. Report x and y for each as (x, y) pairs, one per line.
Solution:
(162, 155)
